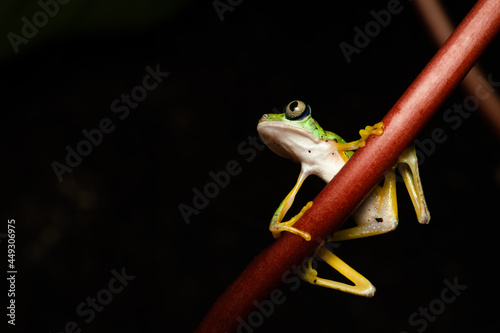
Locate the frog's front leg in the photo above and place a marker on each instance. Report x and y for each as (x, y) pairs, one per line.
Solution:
(364, 133)
(276, 226)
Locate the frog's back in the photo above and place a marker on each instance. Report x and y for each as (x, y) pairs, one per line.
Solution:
(331, 135)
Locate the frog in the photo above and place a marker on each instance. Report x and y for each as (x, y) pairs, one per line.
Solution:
(295, 135)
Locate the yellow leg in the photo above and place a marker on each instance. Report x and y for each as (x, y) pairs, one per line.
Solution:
(361, 287)
(408, 167)
(276, 226)
(364, 133)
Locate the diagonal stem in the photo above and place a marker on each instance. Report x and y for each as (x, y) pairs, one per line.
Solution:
(363, 171)
(441, 28)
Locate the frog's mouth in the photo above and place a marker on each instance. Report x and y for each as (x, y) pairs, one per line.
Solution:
(285, 139)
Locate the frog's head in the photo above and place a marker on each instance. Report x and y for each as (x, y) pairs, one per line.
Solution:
(292, 133)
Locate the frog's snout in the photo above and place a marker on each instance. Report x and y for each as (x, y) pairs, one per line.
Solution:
(263, 118)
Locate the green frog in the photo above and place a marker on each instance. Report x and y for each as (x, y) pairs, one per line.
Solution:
(295, 135)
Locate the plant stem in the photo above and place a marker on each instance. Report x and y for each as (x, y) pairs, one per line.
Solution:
(362, 172)
(441, 28)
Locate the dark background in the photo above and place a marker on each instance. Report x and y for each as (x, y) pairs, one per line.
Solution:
(119, 207)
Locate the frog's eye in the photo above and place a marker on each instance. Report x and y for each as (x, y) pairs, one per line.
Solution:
(297, 110)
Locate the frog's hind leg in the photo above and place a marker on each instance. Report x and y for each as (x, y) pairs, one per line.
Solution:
(276, 226)
(408, 167)
(361, 287)
(378, 214)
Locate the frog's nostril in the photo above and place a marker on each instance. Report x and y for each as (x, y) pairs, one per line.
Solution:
(265, 116)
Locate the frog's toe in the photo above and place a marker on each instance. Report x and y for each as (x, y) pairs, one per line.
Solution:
(307, 273)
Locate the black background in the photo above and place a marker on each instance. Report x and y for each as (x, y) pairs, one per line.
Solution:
(119, 207)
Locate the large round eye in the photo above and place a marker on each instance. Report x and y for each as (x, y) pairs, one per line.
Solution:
(297, 110)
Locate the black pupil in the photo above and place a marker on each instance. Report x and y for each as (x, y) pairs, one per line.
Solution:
(293, 106)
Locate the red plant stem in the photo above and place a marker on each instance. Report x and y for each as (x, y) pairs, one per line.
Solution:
(364, 170)
(441, 28)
